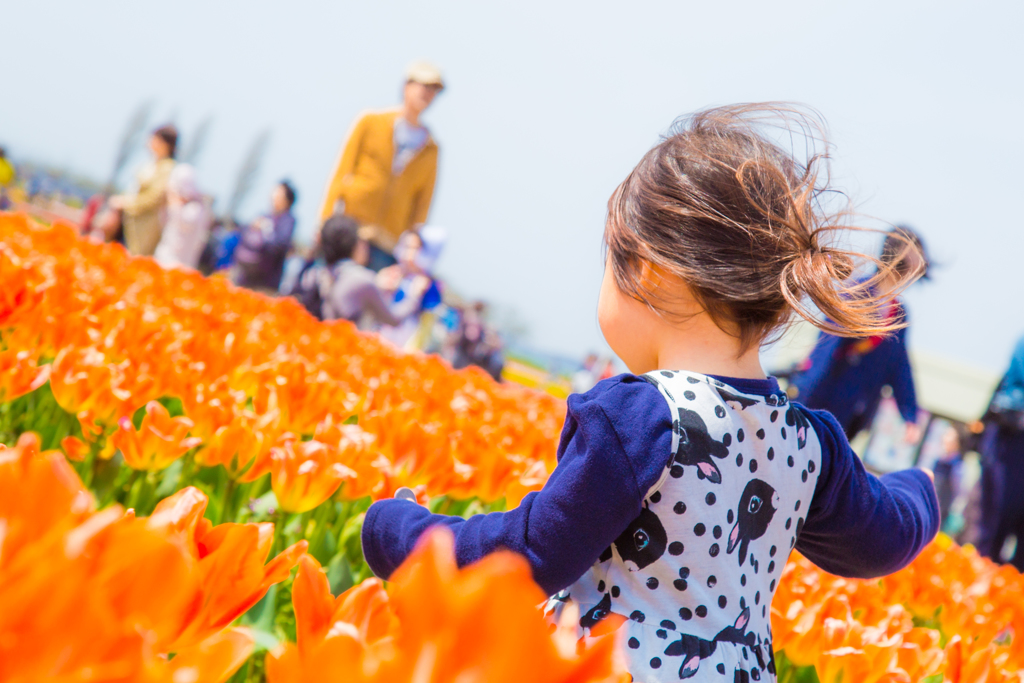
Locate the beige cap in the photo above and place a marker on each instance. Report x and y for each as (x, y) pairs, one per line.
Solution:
(425, 73)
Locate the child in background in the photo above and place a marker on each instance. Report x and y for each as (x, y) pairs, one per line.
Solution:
(845, 375)
(414, 262)
(682, 487)
(187, 227)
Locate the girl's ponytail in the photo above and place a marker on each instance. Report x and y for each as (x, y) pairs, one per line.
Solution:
(721, 206)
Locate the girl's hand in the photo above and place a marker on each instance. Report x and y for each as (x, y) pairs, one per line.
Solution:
(406, 493)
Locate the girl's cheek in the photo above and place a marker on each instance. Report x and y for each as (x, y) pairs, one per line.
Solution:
(614, 317)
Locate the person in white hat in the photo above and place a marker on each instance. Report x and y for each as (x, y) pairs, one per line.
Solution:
(385, 174)
(187, 226)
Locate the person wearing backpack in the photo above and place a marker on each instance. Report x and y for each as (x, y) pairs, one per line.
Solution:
(343, 288)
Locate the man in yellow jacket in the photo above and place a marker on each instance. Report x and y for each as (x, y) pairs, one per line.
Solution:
(385, 174)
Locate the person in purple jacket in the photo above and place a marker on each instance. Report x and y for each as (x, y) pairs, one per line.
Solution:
(845, 375)
(264, 245)
(682, 487)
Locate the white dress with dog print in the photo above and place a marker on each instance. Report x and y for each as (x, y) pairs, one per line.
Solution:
(696, 571)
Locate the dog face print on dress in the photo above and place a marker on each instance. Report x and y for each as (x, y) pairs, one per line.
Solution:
(597, 612)
(696, 446)
(693, 648)
(643, 541)
(758, 504)
(799, 422)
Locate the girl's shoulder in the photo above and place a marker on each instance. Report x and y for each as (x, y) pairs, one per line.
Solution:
(621, 394)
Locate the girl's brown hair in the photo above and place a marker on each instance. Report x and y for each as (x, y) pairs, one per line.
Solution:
(742, 222)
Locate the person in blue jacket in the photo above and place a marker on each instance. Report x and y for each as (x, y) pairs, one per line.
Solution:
(683, 486)
(845, 375)
(1002, 461)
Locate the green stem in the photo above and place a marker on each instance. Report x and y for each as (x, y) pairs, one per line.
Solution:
(187, 465)
(134, 487)
(119, 485)
(320, 520)
(226, 501)
(89, 469)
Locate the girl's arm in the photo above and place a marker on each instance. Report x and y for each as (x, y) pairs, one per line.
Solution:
(860, 525)
(615, 445)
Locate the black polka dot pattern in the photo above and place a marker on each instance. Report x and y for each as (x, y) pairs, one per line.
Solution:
(679, 508)
(710, 499)
(675, 548)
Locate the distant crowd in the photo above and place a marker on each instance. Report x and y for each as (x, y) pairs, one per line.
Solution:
(373, 256)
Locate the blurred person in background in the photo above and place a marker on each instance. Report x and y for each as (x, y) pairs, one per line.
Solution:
(7, 175)
(477, 344)
(1002, 466)
(384, 177)
(187, 227)
(415, 261)
(263, 246)
(143, 211)
(845, 376)
(343, 288)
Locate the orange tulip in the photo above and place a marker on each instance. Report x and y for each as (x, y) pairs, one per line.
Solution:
(230, 557)
(92, 596)
(305, 474)
(480, 623)
(159, 441)
(20, 374)
(74, 448)
(246, 439)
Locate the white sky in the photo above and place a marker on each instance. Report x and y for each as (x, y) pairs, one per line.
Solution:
(549, 105)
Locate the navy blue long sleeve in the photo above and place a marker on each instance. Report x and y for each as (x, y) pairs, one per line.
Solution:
(860, 525)
(614, 447)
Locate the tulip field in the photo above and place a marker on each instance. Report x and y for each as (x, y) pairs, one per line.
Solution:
(186, 469)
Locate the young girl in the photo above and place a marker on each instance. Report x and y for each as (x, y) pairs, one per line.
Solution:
(681, 488)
